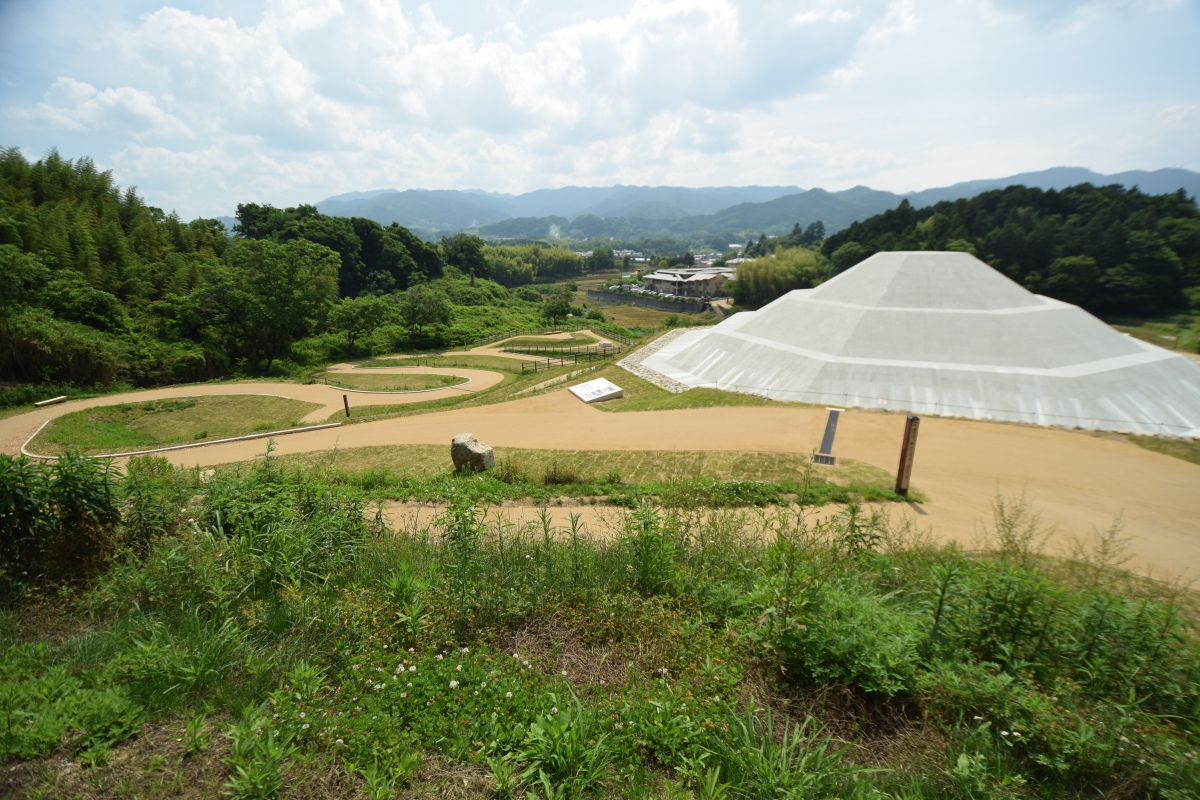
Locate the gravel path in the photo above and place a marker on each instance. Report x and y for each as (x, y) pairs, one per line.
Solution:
(633, 362)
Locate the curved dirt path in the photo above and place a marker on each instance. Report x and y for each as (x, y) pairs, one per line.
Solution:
(15, 430)
(1079, 482)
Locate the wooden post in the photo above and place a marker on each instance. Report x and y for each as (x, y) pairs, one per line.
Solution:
(908, 451)
(346, 402)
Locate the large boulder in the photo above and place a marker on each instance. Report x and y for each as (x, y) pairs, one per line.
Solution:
(470, 453)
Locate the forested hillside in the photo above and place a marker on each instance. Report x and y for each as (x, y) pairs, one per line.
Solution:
(1111, 250)
(97, 287)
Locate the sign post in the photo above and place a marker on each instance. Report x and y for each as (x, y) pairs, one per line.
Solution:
(346, 402)
(908, 451)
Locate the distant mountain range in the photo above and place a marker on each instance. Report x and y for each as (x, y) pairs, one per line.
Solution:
(630, 212)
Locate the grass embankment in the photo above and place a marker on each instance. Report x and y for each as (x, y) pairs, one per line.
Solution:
(256, 635)
(392, 383)
(160, 423)
(1183, 449)
(1176, 333)
(641, 395)
(711, 479)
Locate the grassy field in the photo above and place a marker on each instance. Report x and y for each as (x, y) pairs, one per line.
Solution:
(600, 466)
(630, 316)
(1183, 449)
(159, 423)
(1175, 333)
(641, 395)
(391, 383)
(258, 635)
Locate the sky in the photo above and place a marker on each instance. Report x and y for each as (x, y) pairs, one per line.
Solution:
(204, 105)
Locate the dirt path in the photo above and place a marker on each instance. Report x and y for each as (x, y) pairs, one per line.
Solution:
(15, 430)
(1078, 481)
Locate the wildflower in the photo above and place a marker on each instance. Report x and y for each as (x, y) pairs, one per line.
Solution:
(517, 657)
(563, 673)
(553, 710)
(453, 684)
(413, 668)
(338, 741)
(508, 695)
(529, 557)
(411, 650)
(304, 727)
(404, 694)
(1017, 734)
(483, 685)
(301, 715)
(458, 668)
(439, 656)
(410, 685)
(466, 650)
(978, 719)
(1004, 733)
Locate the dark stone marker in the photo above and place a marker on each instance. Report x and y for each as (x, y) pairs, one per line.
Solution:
(908, 451)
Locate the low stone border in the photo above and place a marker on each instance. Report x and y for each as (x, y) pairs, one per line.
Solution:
(248, 437)
(633, 363)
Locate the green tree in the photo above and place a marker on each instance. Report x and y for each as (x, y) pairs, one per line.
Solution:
(281, 290)
(465, 251)
(601, 260)
(359, 316)
(847, 256)
(556, 307)
(424, 305)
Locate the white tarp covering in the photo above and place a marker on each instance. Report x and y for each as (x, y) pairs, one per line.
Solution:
(598, 389)
(942, 334)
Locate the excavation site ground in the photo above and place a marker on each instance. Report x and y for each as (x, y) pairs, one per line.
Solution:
(1080, 482)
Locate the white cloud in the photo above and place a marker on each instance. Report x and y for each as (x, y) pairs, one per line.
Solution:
(211, 104)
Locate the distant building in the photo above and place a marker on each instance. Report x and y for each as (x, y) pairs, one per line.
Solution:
(688, 281)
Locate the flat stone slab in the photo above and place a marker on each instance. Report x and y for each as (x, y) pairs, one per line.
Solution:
(596, 390)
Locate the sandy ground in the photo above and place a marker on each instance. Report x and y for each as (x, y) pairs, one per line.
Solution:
(1079, 481)
(15, 430)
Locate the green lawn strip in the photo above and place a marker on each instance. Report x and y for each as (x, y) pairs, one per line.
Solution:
(161, 423)
(471, 361)
(1183, 449)
(392, 383)
(507, 389)
(621, 477)
(641, 395)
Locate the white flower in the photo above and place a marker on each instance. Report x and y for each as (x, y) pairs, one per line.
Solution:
(1004, 733)
(338, 741)
(458, 668)
(508, 695)
(563, 673)
(413, 668)
(554, 710)
(304, 727)
(411, 650)
(517, 657)
(301, 715)
(410, 685)
(439, 656)
(466, 650)
(1017, 734)
(978, 719)
(404, 694)
(453, 684)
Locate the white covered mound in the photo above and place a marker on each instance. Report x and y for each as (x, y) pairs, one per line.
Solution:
(942, 334)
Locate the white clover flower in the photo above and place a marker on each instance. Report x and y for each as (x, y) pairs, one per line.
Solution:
(1017, 734)
(410, 685)
(563, 673)
(508, 695)
(458, 668)
(554, 710)
(301, 715)
(1004, 733)
(413, 668)
(404, 694)
(439, 656)
(304, 727)
(453, 684)
(466, 650)
(338, 741)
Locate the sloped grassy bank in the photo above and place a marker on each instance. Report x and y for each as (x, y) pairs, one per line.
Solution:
(259, 634)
